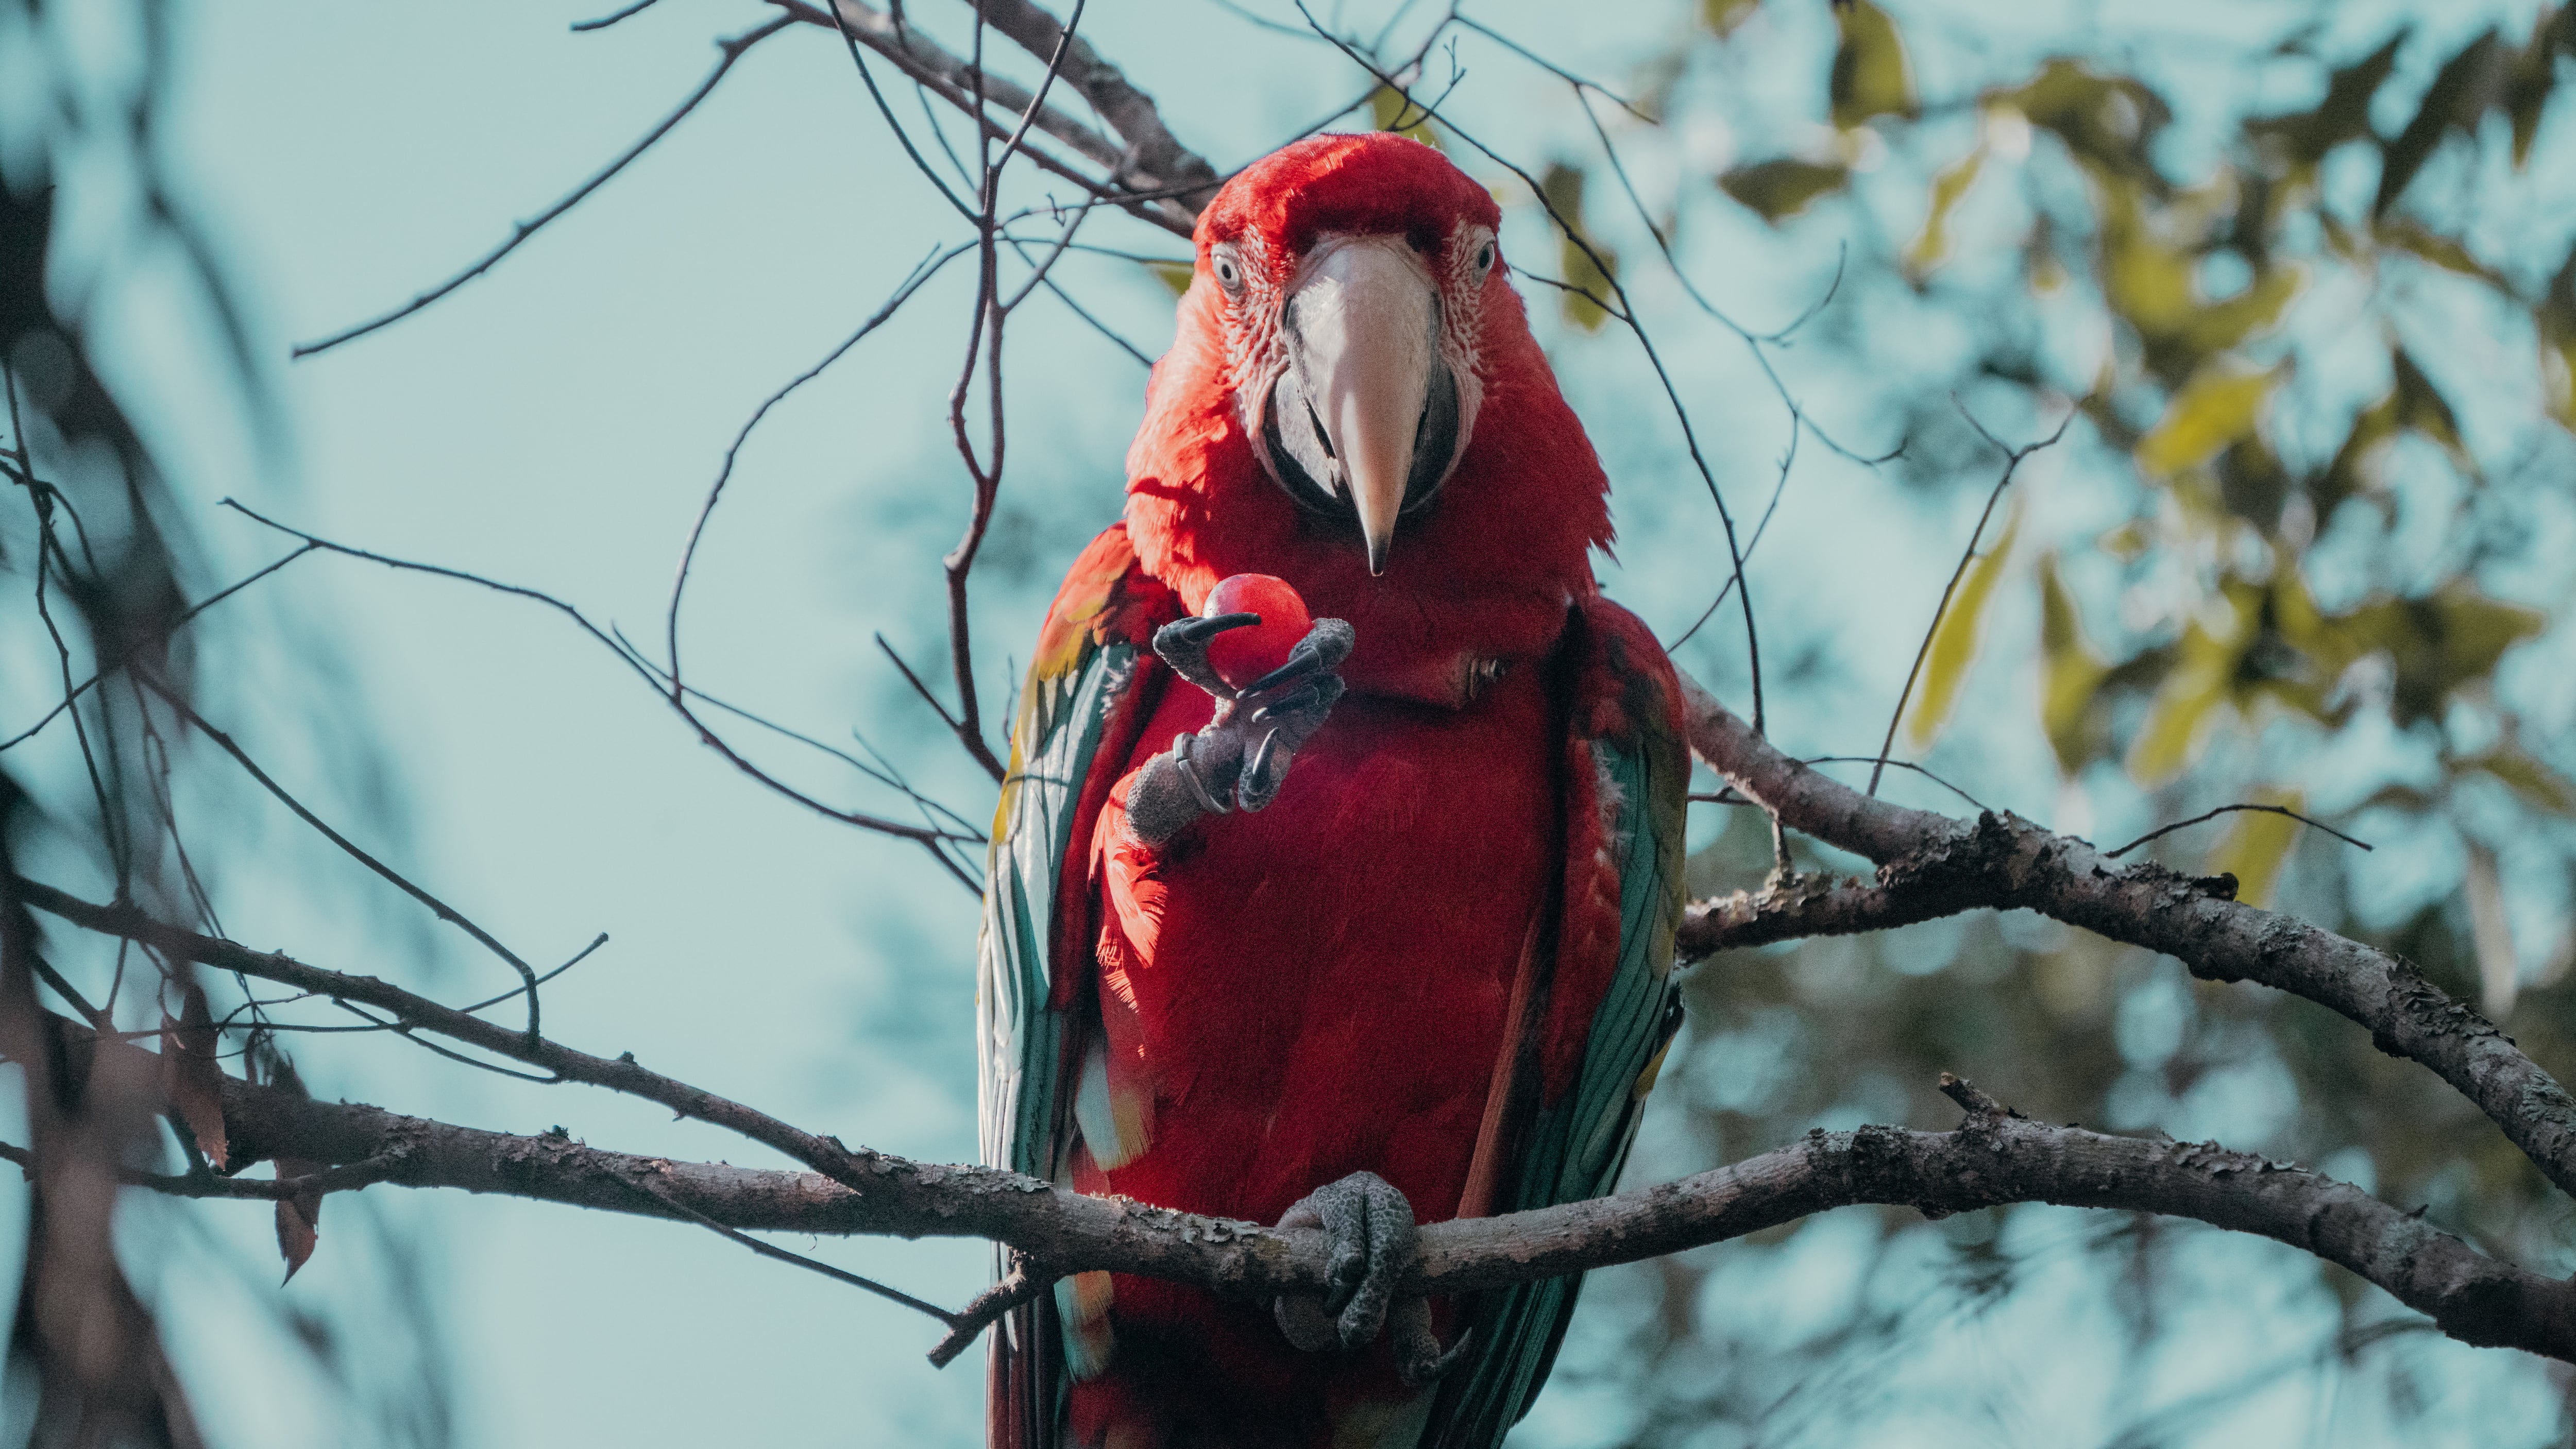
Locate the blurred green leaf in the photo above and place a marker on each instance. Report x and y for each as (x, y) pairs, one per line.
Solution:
(2534, 73)
(2302, 139)
(1931, 246)
(2532, 780)
(2071, 673)
(2408, 235)
(2462, 90)
(2214, 409)
(2149, 280)
(2255, 845)
(1870, 75)
(1562, 185)
(2194, 691)
(1954, 637)
(1782, 188)
(1722, 16)
(1388, 106)
(2411, 403)
(1175, 275)
(2557, 317)
(2106, 121)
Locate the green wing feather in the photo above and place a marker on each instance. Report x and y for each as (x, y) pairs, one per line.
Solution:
(1072, 720)
(1579, 1144)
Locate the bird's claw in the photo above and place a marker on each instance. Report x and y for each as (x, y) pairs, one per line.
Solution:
(1183, 644)
(1240, 760)
(1368, 1225)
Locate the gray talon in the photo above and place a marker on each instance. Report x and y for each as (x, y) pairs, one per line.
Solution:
(1183, 644)
(1419, 1359)
(1241, 760)
(1374, 1242)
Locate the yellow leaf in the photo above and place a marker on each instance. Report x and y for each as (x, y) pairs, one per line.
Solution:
(1782, 188)
(1390, 106)
(1588, 263)
(1722, 16)
(2070, 673)
(2530, 779)
(1175, 275)
(2473, 631)
(1954, 638)
(1869, 76)
(2188, 704)
(2255, 845)
(2214, 409)
(2106, 121)
(2490, 932)
(2558, 380)
(1932, 246)
(2412, 236)
(2222, 325)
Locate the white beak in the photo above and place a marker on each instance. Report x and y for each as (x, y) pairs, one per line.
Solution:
(1363, 337)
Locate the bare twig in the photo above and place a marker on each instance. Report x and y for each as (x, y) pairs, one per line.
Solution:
(927, 836)
(921, 273)
(350, 848)
(729, 51)
(1967, 556)
(605, 21)
(1572, 230)
(2164, 830)
(773, 1251)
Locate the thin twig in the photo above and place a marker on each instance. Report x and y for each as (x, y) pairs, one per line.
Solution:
(2164, 830)
(643, 669)
(1571, 229)
(811, 1265)
(2012, 463)
(1021, 1284)
(732, 50)
(154, 640)
(605, 21)
(921, 273)
(350, 848)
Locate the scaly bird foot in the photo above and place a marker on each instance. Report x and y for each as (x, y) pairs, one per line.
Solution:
(1241, 759)
(1373, 1242)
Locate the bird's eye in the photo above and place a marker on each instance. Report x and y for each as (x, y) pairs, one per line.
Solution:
(1485, 257)
(1228, 275)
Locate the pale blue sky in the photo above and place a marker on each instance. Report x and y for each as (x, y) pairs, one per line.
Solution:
(556, 423)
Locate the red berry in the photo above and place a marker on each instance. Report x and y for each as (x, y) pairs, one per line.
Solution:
(1244, 655)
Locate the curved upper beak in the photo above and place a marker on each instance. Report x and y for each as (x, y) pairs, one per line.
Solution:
(1363, 339)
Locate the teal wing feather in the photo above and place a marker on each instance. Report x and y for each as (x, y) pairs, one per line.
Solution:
(1627, 727)
(1075, 724)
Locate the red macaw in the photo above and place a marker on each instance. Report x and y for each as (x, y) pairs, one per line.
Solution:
(1385, 933)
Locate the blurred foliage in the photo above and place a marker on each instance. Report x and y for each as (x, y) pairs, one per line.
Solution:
(2322, 356)
(98, 567)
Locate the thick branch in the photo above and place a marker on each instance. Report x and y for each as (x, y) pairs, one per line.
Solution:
(1154, 158)
(1137, 166)
(1931, 864)
(623, 1074)
(1993, 1158)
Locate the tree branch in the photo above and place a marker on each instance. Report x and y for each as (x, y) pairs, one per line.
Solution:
(954, 79)
(1995, 1157)
(1932, 864)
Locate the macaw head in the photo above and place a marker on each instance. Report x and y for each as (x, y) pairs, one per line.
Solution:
(1353, 401)
(1352, 276)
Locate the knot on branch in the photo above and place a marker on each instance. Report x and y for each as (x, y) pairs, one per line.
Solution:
(1974, 863)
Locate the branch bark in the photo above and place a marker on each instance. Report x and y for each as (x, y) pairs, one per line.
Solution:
(1932, 864)
(1994, 1157)
(1144, 158)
